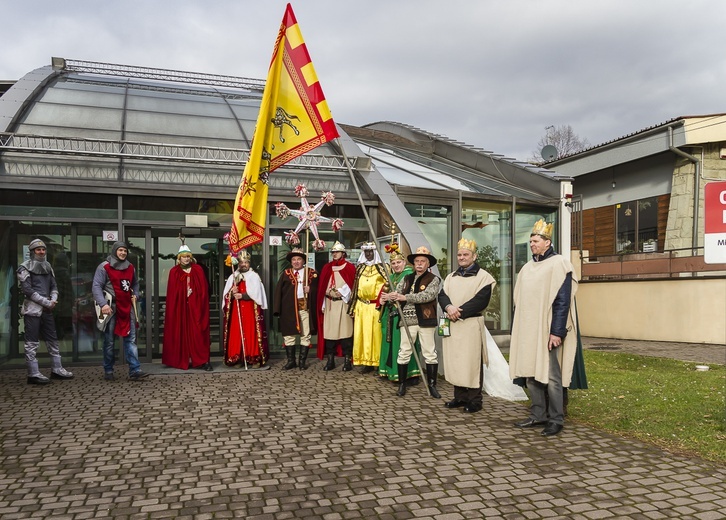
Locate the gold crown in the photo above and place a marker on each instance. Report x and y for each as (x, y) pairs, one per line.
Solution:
(542, 229)
(244, 256)
(467, 244)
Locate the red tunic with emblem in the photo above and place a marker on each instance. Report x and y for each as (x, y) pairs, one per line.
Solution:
(122, 281)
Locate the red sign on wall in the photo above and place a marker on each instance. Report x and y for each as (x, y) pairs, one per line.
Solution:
(714, 237)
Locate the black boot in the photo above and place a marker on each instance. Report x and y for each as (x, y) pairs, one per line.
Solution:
(304, 351)
(290, 352)
(402, 373)
(432, 372)
(347, 345)
(348, 364)
(330, 352)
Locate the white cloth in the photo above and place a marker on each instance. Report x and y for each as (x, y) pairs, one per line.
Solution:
(344, 292)
(376, 258)
(496, 376)
(253, 283)
(299, 274)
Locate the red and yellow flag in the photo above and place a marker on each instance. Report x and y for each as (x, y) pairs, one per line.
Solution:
(294, 118)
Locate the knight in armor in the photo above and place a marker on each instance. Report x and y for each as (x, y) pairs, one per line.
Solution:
(38, 284)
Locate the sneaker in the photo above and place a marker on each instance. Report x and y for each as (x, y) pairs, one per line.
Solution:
(61, 373)
(136, 376)
(108, 376)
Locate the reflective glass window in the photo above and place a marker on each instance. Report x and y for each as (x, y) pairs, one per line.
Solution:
(489, 225)
(434, 221)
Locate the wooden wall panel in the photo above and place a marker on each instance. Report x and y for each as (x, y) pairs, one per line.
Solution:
(605, 230)
(588, 231)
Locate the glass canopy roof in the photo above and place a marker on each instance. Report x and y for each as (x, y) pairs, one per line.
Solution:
(148, 125)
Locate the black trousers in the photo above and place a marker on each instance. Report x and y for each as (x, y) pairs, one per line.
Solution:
(471, 396)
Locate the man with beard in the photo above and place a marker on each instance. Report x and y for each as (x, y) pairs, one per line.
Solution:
(295, 300)
(371, 280)
(335, 326)
(116, 276)
(186, 318)
(243, 300)
(38, 284)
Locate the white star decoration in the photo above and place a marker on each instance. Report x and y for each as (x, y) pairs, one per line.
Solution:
(309, 216)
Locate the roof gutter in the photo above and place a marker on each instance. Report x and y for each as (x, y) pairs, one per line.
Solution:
(696, 186)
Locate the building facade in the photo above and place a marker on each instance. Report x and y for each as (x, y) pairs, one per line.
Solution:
(639, 231)
(93, 152)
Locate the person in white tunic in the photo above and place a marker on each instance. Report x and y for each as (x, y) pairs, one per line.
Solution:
(464, 297)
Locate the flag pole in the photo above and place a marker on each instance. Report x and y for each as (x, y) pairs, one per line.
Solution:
(390, 280)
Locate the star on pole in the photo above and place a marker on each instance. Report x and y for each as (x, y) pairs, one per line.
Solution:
(309, 217)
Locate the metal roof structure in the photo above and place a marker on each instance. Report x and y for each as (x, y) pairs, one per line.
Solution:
(78, 124)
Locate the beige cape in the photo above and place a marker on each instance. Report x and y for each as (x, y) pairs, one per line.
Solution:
(465, 349)
(535, 291)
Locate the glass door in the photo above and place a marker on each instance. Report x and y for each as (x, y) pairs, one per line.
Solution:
(156, 250)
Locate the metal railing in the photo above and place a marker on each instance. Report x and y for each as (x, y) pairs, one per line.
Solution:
(101, 148)
(127, 71)
(673, 263)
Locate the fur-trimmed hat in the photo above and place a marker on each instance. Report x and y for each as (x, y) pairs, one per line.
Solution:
(423, 251)
(368, 246)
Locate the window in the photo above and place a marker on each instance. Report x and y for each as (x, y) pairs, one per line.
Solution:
(637, 226)
(434, 221)
(488, 224)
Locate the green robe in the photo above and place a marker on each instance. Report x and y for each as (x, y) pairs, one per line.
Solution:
(388, 366)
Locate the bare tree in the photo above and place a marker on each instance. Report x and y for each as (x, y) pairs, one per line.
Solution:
(563, 138)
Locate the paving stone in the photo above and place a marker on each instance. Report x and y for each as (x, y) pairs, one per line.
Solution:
(317, 445)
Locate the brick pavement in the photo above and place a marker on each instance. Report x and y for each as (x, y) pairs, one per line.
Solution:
(329, 445)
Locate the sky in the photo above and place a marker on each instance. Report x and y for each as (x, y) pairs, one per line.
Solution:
(490, 73)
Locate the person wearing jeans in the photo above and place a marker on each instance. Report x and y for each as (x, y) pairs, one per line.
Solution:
(116, 278)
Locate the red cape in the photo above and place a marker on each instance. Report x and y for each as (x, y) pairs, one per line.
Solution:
(186, 320)
(348, 275)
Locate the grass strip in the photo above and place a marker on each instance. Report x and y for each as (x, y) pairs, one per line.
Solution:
(660, 401)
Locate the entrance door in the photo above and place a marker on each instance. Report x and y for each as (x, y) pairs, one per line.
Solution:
(162, 246)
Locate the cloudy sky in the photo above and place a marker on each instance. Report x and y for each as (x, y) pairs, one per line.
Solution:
(492, 73)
